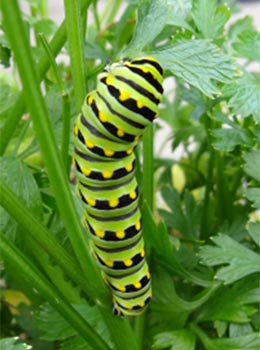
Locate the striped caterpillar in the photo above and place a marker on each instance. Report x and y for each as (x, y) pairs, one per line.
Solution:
(113, 118)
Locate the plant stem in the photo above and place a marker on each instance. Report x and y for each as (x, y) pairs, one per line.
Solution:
(48, 146)
(34, 278)
(204, 229)
(76, 51)
(148, 166)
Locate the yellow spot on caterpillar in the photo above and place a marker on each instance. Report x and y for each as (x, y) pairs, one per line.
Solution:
(108, 152)
(141, 304)
(128, 262)
(132, 194)
(102, 117)
(139, 104)
(142, 253)
(121, 288)
(156, 115)
(145, 70)
(137, 285)
(129, 167)
(89, 144)
(85, 171)
(148, 275)
(137, 137)
(107, 174)
(120, 234)
(91, 201)
(109, 80)
(113, 203)
(138, 225)
(109, 263)
(124, 95)
(120, 132)
(90, 99)
(100, 233)
(128, 306)
(76, 129)
(129, 151)
(86, 224)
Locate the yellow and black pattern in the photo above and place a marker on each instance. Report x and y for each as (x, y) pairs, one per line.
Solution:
(113, 118)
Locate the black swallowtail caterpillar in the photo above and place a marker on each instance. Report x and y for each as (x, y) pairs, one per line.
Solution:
(113, 118)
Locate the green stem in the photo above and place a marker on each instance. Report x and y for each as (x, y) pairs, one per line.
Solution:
(34, 278)
(76, 50)
(148, 195)
(15, 207)
(14, 114)
(48, 146)
(148, 166)
(204, 226)
(65, 132)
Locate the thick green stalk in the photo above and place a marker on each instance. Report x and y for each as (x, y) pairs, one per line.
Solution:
(14, 114)
(34, 278)
(148, 167)
(148, 195)
(15, 207)
(76, 50)
(48, 146)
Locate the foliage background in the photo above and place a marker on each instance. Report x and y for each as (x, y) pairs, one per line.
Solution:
(200, 210)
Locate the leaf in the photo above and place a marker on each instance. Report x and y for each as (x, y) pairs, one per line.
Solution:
(254, 231)
(13, 344)
(252, 164)
(153, 16)
(180, 339)
(248, 45)
(241, 261)
(245, 342)
(228, 138)
(54, 327)
(239, 26)
(75, 343)
(210, 18)
(244, 96)
(236, 301)
(253, 194)
(185, 219)
(17, 176)
(199, 63)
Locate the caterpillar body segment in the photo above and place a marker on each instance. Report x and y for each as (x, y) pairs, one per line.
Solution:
(112, 120)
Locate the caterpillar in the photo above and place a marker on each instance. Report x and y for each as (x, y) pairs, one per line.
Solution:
(112, 120)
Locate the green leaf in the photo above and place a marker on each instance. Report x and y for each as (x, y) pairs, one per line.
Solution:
(253, 194)
(184, 217)
(75, 343)
(18, 177)
(236, 300)
(44, 26)
(254, 231)
(54, 327)
(199, 63)
(13, 344)
(153, 16)
(248, 45)
(228, 138)
(245, 342)
(252, 164)
(180, 339)
(239, 26)
(244, 96)
(241, 261)
(210, 18)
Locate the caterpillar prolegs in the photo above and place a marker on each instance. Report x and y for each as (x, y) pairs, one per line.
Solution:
(113, 118)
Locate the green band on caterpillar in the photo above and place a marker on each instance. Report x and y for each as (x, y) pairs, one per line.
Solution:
(112, 120)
